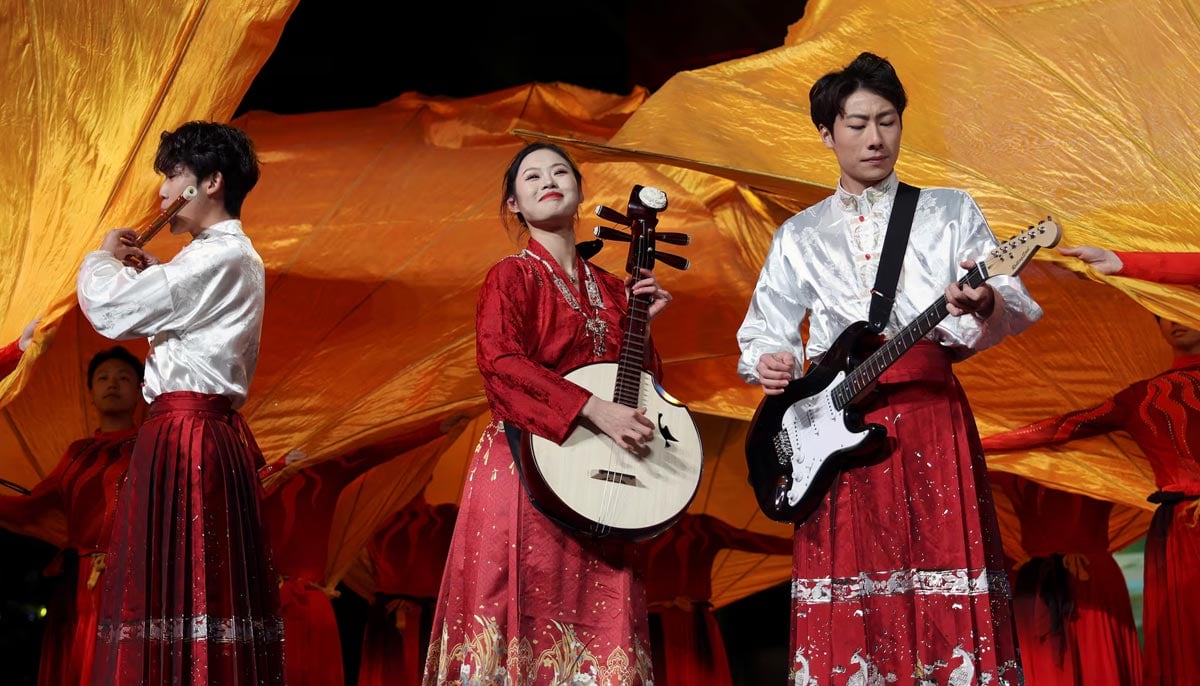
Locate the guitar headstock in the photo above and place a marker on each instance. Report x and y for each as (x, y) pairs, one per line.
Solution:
(1012, 255)
(641, 217)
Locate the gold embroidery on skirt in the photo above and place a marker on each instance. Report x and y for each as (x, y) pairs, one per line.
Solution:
(484, 660)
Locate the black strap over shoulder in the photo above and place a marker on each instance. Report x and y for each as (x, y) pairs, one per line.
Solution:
(895, 244)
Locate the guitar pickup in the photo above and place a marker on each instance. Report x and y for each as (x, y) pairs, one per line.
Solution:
(783, 448)
(615, 477)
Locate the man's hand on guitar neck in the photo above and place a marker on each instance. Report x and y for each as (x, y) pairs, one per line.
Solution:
(626, 425)
(775, 371)
(967, 300)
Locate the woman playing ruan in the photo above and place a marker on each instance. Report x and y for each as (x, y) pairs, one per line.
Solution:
(524, 601)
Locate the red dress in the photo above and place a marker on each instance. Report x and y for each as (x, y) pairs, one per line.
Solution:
(1162, 414)
(901, 566)
(689, 649)
(79, 498)
(10, 355)
(406, 557)
(523, 601)
(1163, 267)
(1071, 604)
(190, 595)
(298, 509)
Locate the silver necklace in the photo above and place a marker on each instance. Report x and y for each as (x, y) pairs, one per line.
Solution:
(594, 326)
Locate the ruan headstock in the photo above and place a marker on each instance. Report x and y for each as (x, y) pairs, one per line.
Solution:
(641, 216)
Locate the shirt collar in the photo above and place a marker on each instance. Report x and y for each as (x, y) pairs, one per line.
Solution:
(228, 227)
(874, 197)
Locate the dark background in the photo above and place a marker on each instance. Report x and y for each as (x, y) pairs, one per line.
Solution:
(346, 54)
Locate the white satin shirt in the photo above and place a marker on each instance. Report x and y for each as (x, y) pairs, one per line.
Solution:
(822, 263)
(202, 312)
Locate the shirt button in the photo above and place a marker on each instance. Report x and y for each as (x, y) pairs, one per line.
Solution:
(862, 218)
(868, 256)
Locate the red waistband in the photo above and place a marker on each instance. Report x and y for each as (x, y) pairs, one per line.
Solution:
(190, 401)
(924, 360)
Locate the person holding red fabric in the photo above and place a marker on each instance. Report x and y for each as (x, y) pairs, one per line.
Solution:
(1161, 267)
(1070, 600)
(898, 573)
(298, 509)
(523, 600)
(81, 494)
(686, 641)
(10, 355)
(1162, 414)
(406, 558)
(191, 596)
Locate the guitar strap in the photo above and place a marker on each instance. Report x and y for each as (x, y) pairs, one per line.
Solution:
(895, 244)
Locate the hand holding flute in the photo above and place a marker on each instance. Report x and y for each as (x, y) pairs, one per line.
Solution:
(127, 245)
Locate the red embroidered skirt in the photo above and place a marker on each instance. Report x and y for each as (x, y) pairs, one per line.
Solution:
(190, 596)
(898, 576)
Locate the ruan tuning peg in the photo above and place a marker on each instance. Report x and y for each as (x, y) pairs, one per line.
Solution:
(611, 215)
(670, 260)
(610, 234)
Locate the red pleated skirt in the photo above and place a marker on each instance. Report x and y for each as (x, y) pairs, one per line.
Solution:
(190, 596)
(898, 576)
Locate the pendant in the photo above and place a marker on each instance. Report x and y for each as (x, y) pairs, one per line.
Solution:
(596, 328)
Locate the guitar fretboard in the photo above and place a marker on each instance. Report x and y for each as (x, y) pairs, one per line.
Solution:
(871, 368)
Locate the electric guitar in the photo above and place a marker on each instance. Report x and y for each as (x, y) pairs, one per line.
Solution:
(800, 439)
(589, 483)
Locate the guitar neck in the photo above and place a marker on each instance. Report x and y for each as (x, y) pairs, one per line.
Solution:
(865, 374)
(633, 353)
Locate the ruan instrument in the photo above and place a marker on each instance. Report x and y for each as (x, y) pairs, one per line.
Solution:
(589, 483)
(800, 439)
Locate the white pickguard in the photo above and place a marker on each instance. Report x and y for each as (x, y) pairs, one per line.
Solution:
(611, 486)
(816, 429)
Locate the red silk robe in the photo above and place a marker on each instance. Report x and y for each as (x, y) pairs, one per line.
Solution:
(407, 556)
(10, 355)
(298, 511)
(1162, 414)
(80, 495)
(1163, 267)
(690, 649)
(523, 599)
(1070, 601)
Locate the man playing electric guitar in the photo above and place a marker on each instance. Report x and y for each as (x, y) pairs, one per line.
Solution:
(898, 573)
